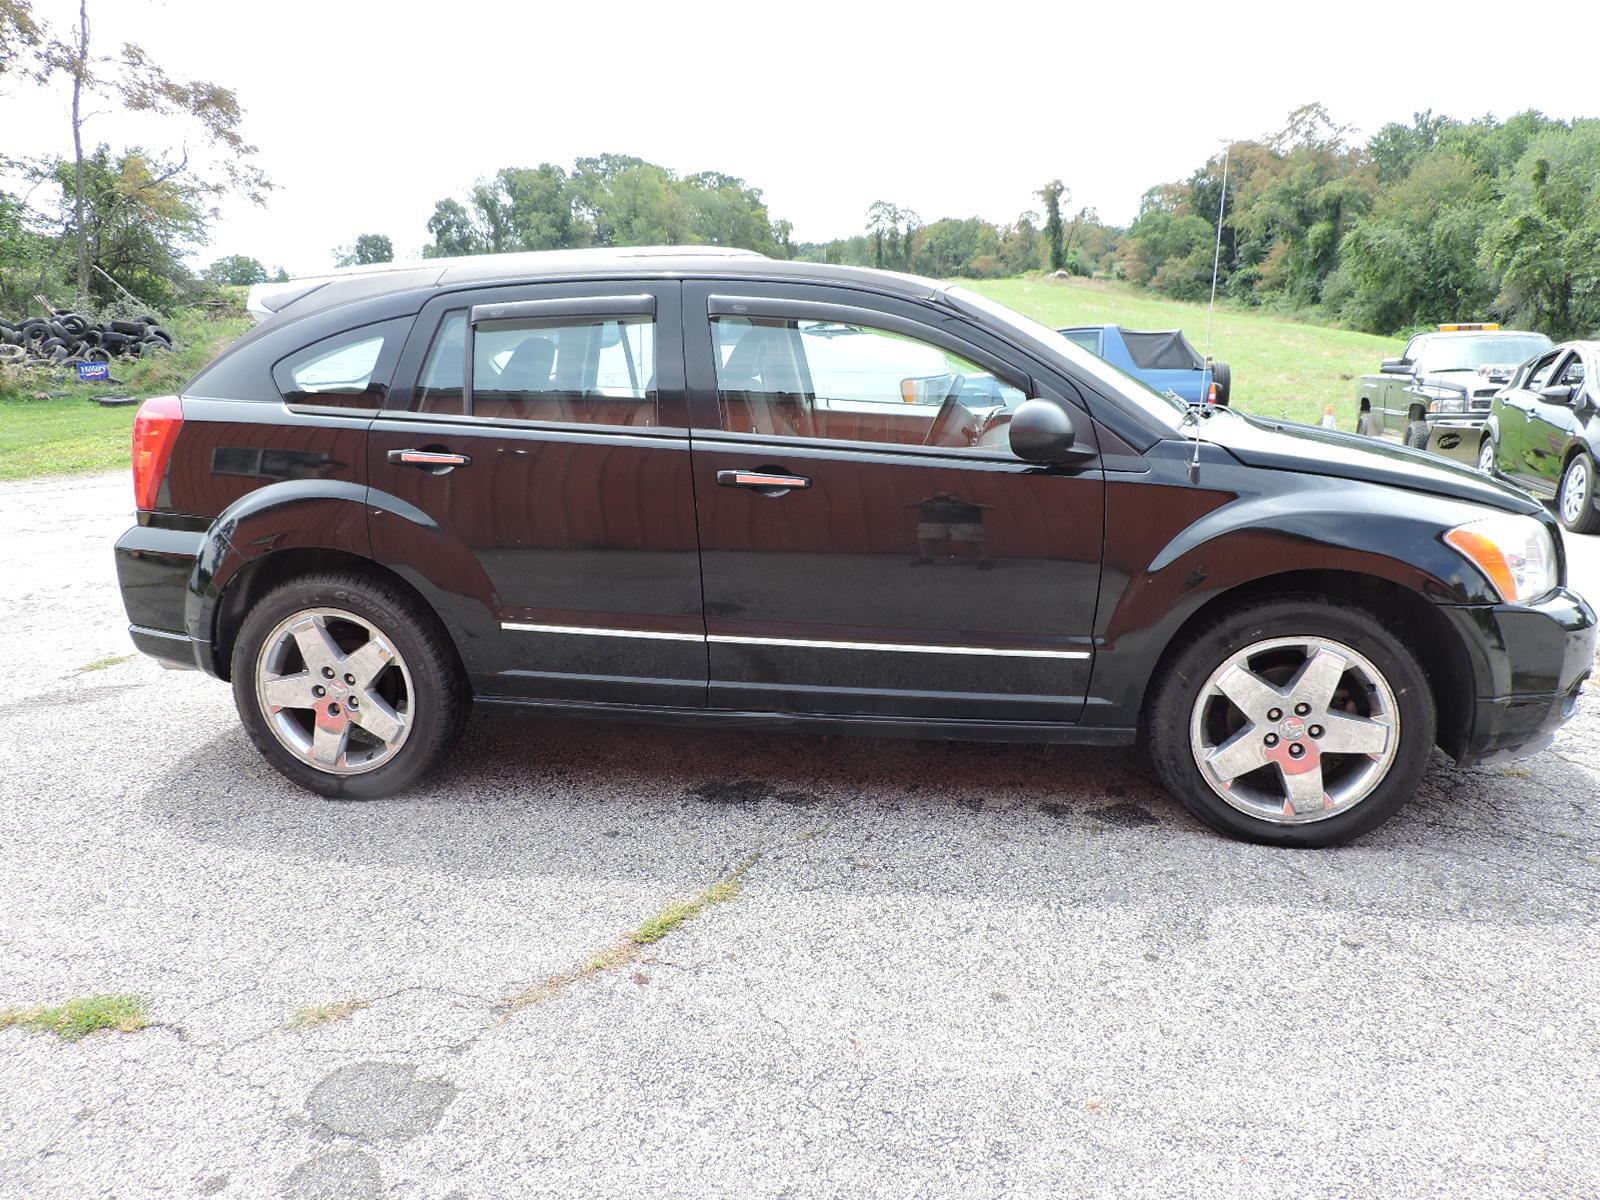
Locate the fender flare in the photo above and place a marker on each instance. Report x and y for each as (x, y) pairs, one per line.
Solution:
(322, 514)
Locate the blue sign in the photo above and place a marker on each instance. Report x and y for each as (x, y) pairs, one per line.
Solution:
(94, 370)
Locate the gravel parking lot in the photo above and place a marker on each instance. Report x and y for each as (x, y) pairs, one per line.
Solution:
(948, 969)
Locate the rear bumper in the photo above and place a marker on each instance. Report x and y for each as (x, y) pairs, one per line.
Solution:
(1530, 663)
(154, 569)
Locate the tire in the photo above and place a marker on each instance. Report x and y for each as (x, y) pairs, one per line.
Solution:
(1417, 435)
(1364, 424)
(1575, 501)
(133, 329)
(423, 683)
(1487, 458)
(1222, 376)
(1188, 718)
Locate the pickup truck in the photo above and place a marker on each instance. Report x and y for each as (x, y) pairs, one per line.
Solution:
(1436, 395)
(1164, 359)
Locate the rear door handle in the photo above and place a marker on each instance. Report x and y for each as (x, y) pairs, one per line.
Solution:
(768, 483)
(429, 458)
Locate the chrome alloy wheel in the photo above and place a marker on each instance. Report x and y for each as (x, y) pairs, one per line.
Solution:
(1486, 456)
(1293, 730)
(334, 691)
(1575, 488)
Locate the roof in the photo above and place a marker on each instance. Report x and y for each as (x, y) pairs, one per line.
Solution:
(359, 283)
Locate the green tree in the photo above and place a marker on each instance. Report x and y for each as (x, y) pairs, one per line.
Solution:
(368, 249)
(236, 270)
(131, 79)
(454, 231)
(1054, 194)
(1543, 243)
(140, 217)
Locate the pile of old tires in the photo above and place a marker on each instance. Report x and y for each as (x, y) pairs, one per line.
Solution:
(69, 338)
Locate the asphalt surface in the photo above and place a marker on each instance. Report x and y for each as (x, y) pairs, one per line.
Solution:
(951, 970)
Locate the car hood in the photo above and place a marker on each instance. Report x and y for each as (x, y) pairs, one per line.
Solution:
(1310, 450)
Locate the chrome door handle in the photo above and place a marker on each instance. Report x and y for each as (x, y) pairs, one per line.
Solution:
(768, 483)
(429, 458)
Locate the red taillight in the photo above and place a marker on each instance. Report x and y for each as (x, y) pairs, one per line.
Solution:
(1211, 394)
(155, 431)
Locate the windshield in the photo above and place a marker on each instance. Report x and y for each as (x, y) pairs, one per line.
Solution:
(1169, 410)
(1470, 353)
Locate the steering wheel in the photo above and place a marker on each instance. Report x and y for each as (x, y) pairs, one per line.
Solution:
(948, 407)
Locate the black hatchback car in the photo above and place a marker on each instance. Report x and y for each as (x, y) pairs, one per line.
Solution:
(711, 487)
(1544, 432)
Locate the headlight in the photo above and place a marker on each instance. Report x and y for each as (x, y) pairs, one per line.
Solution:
(1516, 553)
(1448, 404)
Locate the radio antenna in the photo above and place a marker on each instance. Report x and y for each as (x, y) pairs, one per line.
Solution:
(1216, 256)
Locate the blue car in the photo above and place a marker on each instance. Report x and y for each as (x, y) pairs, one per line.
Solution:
(1164, 359)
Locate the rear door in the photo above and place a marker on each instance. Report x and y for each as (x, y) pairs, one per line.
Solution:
(860, 554)
(533, 467)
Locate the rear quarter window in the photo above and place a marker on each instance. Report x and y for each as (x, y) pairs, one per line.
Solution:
(349, 370)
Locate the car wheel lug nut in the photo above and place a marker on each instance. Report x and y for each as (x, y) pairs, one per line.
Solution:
(1275, 715)
(1301, 710)
(1296, 750)
(319, 690)
(1272, 739)
(1315, 731)
(327, 672)
(350, 679)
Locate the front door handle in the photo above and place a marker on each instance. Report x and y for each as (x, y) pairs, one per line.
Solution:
(768, 483)
(434, 459)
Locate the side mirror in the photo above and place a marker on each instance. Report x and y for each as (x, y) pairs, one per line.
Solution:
(1556, 394)
(1042, 432)
(1395, 366)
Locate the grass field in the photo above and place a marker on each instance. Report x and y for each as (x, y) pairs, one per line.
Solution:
(49, 424)
(1280, 368)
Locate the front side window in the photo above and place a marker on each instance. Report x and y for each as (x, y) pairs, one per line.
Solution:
(845, 382)
(1542, 370)
(1572, 374)
(348, 370)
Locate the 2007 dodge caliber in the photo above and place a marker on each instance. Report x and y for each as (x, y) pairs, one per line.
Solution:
(702, 486)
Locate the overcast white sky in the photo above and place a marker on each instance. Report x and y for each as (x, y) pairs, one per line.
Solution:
(367, 111)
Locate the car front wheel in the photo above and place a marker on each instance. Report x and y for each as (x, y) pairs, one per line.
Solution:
(347, 686)
(1417, 435)
(1575, 502)
(1294, 722)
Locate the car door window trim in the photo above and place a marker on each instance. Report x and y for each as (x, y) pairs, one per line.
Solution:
(559, 309)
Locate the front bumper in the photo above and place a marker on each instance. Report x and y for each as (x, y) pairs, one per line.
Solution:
(154, 567)
(1529, 664)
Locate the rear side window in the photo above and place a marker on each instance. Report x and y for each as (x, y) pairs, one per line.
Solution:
(350, 370)
(571, 370)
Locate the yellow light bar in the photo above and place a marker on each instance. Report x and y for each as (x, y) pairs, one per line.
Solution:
(1465, 327)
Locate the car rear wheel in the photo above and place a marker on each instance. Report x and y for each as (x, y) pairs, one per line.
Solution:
(1294, 722)
(1486, 456)
(1575, 501)
(347, 686)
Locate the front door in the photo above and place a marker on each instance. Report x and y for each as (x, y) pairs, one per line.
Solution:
(869, 544)
(1552, 424)
(1519, 431)
(532, 467)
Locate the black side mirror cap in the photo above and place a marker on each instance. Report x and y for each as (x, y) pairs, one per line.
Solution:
(1041, 431)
